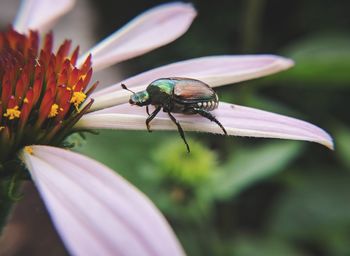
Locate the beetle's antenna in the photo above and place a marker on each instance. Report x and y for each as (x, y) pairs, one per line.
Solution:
(125, 88)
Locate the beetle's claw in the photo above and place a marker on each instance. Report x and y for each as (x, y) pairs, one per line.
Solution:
(148, 128)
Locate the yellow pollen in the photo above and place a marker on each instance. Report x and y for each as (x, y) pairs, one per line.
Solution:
(77, 99)
(54, 110)
(12, 113)
(1, 128)
(25, 100)
(29, 150)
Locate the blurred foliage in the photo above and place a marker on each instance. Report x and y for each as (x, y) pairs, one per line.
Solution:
(342, 136)
(321, 61)
(315, 211)
(191, 169)
(247, 166)
(243, 196)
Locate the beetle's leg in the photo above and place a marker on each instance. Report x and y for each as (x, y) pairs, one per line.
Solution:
(147, 110)
(151, 116)
(212, 118)
(179, 128)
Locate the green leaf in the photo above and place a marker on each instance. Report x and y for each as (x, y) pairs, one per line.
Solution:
(248, 166)
(315, 210)
(262, 246)
(123, 151)
(342, 137)
(321, 60)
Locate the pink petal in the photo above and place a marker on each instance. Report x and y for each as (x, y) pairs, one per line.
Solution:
(152, 29)
(95, 211)
(214, 70)
(40, 14)
(237, 120)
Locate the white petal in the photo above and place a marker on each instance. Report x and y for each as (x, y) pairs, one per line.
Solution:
(237, 120)
(152, 29)
(95, 211)
(40, 14)
(214, 70)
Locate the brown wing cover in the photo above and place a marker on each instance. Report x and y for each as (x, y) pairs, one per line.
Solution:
(191, 89)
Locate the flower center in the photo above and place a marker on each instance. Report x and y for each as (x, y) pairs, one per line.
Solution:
(41, 92)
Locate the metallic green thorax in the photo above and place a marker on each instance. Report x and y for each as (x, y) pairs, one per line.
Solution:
(161, 91)
(164, 85)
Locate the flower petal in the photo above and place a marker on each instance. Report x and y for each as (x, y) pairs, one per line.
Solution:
(152, 29)
(237, 120)
(95, 211)
(214, 70)
(40, 14)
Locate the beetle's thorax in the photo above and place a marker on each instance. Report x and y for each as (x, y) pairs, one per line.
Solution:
(160, 92)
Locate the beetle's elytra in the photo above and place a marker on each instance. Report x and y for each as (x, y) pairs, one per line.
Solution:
(177, 95)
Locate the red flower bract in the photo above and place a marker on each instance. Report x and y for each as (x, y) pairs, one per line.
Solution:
(40, 91)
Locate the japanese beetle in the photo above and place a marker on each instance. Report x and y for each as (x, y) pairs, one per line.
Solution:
(177, 95)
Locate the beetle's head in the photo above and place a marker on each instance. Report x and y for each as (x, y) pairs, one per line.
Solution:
(140, 98)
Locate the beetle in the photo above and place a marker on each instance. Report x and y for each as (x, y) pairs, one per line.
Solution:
(177, 95)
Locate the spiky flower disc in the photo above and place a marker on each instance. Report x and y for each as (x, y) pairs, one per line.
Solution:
(40, 91)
